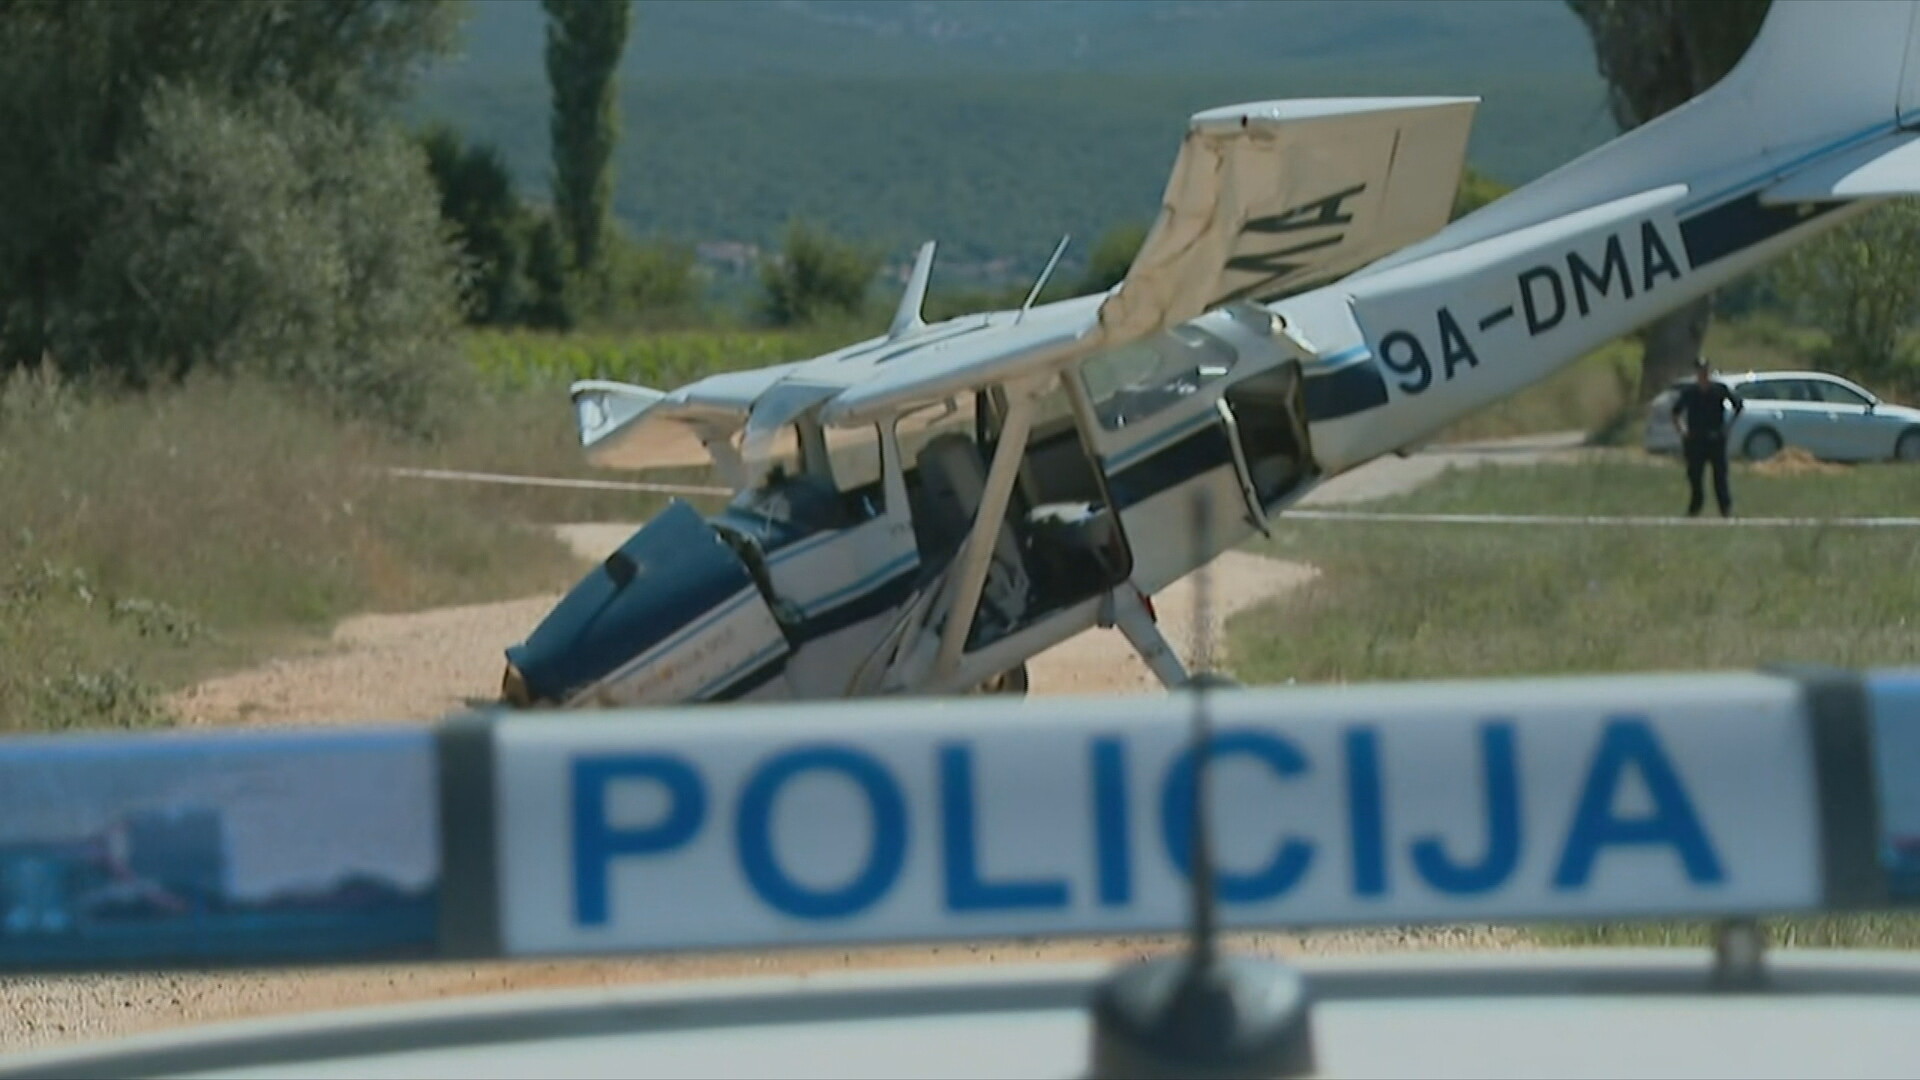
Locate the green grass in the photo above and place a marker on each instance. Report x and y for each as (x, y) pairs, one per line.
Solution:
(1639, 484)
(150, 540)
(1399, 601)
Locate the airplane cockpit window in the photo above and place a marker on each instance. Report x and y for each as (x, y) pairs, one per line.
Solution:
(855, 464)
(1133, 382)
(792, 499)
(792, 493)
(917, 427)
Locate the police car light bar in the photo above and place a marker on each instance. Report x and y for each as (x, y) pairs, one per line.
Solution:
(922, 820)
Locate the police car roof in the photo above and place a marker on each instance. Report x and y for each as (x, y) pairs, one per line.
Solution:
(1591, 1013)
(1722, 796)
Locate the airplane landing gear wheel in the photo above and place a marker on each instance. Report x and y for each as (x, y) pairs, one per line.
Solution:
(1011, 681)
(513, 689)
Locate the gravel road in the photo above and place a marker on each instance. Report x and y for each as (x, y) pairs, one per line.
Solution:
(416, 667)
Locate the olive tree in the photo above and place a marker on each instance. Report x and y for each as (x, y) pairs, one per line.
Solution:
(1860, 284)
(1656, 55)
(267, 236)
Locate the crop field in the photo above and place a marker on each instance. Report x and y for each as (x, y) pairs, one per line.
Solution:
(527, 359)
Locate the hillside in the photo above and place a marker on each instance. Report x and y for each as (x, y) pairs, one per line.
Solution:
(994, 127)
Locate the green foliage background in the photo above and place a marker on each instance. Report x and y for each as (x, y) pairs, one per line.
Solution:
(994, 128)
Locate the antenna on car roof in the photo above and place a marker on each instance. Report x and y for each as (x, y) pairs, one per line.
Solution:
(1201, 1013)
(1041, 282)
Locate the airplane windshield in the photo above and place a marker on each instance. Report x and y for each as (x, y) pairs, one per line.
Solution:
(802, 502)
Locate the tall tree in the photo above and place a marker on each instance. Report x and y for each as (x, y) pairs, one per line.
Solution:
(584, 41)
(1861, 284)
(478, 200)
(1656, 55)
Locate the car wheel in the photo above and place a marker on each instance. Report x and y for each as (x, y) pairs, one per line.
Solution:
(1760, 445)
(1908, 448)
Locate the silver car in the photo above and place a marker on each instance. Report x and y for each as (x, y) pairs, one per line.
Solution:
(1827, 416)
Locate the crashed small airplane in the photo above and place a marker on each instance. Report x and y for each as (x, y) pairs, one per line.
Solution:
(924, 511)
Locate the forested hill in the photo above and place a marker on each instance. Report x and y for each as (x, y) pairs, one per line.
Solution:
(994, 126)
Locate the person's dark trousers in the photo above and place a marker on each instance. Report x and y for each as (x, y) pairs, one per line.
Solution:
(1701, 452)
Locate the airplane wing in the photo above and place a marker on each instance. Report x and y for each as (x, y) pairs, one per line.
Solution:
(623, 426)
(1271, 198)
(1264, 200)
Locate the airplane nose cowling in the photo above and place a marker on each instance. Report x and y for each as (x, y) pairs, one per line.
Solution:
(664, 579)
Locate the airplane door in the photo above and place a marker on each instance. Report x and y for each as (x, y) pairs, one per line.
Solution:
(1256, 513)
(1266, 417)
(1179, 423)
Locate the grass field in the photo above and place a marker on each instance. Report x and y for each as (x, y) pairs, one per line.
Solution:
(150, 540)
(1421, 601)
(1462, 601)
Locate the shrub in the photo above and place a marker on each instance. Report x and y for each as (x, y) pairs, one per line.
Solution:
(816, 277)
(271, 238)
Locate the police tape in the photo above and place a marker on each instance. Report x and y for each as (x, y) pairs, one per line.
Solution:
(556, 482)
(1602, 520)
(1290, 514)
(509, 834)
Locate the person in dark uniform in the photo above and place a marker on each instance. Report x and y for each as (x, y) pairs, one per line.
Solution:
(1700, 414)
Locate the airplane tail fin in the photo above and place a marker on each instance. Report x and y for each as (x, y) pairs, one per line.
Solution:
(1819, 109)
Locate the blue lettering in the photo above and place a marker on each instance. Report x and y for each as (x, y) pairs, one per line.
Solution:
(1366, 814)
(1630, 741)
(1110, 822)
(1290, 860)
(960, 840)
(1501, 782)
(754, 833)
(596, 842)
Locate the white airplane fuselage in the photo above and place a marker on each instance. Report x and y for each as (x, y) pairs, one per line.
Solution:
(1233, 415)
(1397, 356)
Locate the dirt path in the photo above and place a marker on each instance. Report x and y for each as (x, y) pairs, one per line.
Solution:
(424, 665)
(1390, 475)
(417, 667)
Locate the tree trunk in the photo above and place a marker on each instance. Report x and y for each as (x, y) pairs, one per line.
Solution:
(1671, 344)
